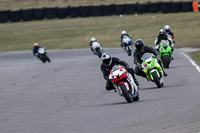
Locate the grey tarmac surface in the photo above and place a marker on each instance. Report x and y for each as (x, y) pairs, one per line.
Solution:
(68, 96)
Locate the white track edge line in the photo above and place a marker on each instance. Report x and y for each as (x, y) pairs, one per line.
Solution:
(192, 62)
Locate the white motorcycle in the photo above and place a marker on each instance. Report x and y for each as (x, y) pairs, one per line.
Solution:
(127, 45)
(42, 55)
(97, 49)
(124, 83)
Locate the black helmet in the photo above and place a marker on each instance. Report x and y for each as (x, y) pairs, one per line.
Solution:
(139, 43)
(162, 32)
(106, 58)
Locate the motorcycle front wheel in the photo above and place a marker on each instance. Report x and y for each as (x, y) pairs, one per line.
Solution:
(99, 52)
(47, 59)
(126, 94)
(129, 50)
(166, 61)
(156, 79)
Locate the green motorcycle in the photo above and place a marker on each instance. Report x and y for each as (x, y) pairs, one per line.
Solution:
(165, 51)
(152, 69)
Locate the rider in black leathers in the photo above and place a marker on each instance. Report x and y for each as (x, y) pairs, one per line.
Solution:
(139, 51)
(162, 36)
(168, 31)
(107, 63)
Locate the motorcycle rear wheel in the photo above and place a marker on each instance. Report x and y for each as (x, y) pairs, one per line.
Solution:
(137, 97)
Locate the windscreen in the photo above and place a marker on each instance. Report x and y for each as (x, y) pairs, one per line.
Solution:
(115, 68)
(146, 56)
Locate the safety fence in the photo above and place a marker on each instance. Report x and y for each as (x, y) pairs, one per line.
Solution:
(94, 10)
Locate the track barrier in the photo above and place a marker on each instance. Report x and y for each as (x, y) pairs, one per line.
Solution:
(97, 10)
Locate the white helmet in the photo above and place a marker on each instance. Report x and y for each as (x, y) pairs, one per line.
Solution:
(106, 58)
(123, 32)
(93, 39)
(167, 28)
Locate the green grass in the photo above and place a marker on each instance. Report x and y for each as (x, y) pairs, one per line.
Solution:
(75, 33)
(196, 56)
(23, 4)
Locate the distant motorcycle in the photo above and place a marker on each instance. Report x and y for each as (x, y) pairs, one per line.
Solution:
(165, 51)
(127, 45)
(42, 55)
(124, 83)
(97, 49)
(152, 69)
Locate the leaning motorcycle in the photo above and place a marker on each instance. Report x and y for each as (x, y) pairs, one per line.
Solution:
(165, 51)
(124, 83)
(97, 49)
(152, 69)
(42, 55)
(127, 45)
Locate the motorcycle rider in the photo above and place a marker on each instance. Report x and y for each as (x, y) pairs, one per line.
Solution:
(138, 53)
(91, 41)
(123, 33)
(35, 49)
(169, 32)
(162, 36)
(107, 63)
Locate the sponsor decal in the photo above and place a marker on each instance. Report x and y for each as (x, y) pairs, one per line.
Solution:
(145, 65)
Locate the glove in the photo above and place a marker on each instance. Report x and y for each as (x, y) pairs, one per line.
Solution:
(172, 45)
(129, 69)
(158, 57)
(138, 64)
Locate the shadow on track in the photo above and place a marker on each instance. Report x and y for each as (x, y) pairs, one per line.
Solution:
(156, 88)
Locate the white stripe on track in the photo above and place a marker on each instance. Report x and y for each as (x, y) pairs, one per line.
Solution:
(193, 63)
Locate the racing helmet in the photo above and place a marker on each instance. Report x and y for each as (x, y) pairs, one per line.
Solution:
(123, 32)
(139, 43)
(106, 59)
(167, 28)
(162, 32)
(93, 39)
(35, 44)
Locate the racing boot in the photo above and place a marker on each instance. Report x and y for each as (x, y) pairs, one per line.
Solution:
(165, 74)
(135, 80)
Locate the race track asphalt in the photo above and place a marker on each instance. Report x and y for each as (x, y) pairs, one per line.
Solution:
(68, 96)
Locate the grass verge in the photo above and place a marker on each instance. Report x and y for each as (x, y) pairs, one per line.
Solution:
(75, 33)
(196, 56)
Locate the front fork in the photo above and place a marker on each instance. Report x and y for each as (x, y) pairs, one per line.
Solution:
(130, 85)
(158, 70)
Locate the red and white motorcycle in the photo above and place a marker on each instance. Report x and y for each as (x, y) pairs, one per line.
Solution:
(124, 83)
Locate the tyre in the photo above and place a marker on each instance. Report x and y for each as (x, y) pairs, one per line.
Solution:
(99, 52)
(166, 61)
(125, 93)
(128, 48)
(47, 59)
(43, 61)
(137, 97)
(156, 79)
